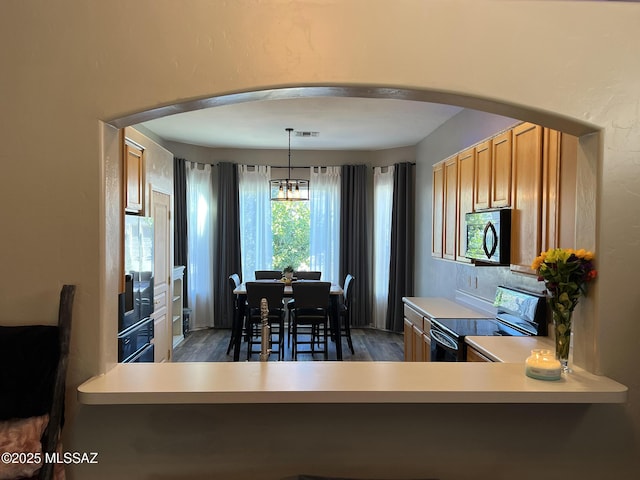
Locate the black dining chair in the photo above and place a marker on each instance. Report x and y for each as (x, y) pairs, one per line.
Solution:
(307, 275)
(300, 275)
(274, 294)
(310, 317)
(345, 310)
(234, 282)
(268, 274)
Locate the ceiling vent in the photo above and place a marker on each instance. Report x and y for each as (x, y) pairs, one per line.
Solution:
(307, 134)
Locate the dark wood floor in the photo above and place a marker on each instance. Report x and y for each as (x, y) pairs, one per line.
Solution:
(210, 345)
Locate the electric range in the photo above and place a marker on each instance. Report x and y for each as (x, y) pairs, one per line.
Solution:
(519, 313)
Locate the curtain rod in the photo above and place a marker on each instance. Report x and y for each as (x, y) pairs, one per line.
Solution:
(387, 166)
(292, 168)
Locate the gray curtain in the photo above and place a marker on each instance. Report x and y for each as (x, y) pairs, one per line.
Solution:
(354, 240)
(402, 263)
(226, 248)
(180, 219)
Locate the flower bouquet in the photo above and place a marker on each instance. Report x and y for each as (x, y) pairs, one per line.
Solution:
(566, 273)
(287, 274)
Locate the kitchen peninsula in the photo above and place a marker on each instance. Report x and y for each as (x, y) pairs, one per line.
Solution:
(337, 382)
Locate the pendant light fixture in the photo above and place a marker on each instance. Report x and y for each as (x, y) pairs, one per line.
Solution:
(289, 189)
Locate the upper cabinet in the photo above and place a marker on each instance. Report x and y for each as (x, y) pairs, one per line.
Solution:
(450, 208)
(501, 152)
(134, 178)
(493, 173)
(438, 205)
(531, 170)
(466, 169)
(526, 216)
(482, 177)
(559, 171)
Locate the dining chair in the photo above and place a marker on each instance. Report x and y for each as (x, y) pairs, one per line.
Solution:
(310, 315)
(273, 293)
(301, 275)
(307, 275)
(345, 310)
(268, 274)
(234, 282)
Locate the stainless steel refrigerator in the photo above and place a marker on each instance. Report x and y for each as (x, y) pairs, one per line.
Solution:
(135, 306)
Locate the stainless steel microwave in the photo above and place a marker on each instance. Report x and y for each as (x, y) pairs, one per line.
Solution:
(489, 236)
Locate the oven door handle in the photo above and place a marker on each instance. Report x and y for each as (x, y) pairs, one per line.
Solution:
(444, 340)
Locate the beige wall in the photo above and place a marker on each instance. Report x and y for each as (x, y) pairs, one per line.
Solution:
(68, 65)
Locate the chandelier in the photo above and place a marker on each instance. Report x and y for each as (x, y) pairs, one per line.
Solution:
(289, 189)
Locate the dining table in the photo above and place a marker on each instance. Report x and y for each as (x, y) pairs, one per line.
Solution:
(335, 293)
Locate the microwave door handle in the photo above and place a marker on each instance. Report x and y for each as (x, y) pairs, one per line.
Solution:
(489, 227)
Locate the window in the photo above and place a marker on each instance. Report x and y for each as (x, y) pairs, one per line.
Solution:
(382, 206)
(302, 234)
(290, 227)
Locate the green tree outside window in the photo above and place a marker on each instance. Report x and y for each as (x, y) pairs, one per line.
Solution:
(290, 225)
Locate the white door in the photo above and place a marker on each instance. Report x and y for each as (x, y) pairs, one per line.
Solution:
(161, 213)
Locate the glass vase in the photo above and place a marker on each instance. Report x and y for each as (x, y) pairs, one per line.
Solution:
(562, 329)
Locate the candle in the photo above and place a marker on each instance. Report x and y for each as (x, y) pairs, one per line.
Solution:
(543, 365)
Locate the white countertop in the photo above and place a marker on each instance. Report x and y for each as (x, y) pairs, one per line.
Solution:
(357, 382)
(340, 382)
(508, 349)
(437, 307)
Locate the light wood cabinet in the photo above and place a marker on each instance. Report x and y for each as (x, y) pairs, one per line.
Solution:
(492, 180)
(426, 341)
(134, 178)
(550, 189)
(417, 342)
(450, 208)
(408, 340)
(466, 171)
(438, 206)
(474, 355)
(530, 169)
(482, 176)
(560, 152)
(526, 215)
(501, 164)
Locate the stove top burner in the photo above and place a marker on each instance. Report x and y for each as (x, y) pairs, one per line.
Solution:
(463, 327)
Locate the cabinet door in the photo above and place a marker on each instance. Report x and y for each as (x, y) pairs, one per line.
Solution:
(450, 207)
(567, 195)
(559, 162)
(482, 179)
(418, 344)
(475, 356)
(426, 347)
(527, 190)
(550, 188)
(437, 214)
(466, 169)
(133, 171)
(161, 352)
(408, 341)
(501, 151)
(162, 232)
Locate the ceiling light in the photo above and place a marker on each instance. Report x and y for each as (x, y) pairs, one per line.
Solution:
(289, 189)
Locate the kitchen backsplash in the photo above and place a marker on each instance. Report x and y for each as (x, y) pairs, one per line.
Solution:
(482, 281)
